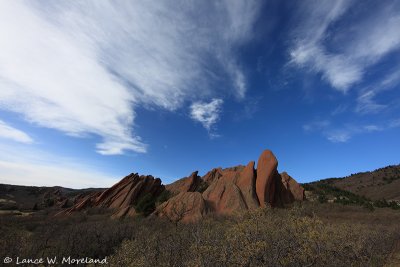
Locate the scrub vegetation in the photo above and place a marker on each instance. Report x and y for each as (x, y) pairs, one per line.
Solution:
(306, 234)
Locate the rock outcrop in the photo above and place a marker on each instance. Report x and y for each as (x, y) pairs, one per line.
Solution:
(236, 189)
(223, 196)
(288, 190)
(247, 185)
(267, 175)
(212, 175)
(121, 197)
(185, 207)
(54, 199)
(220, 191)
(186, 184)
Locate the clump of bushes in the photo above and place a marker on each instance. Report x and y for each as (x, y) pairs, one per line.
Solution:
(146, 204)
(164, 196)
(263, 237)
(383, 203)
(326, 190)
(77, 236)
(389, 180)
(322, 198)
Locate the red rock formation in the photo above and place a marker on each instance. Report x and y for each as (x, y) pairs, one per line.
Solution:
(185, 207)
(266, 174)
(247, 185)
(122, 196)
(294, 191)
(212, 175)
(125, 212)
(225, 191)
(186, 184)
(223, 196)
(56, 199)
(128, 191)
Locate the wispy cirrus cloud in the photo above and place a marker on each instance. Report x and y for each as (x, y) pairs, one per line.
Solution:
(394, 123)
(366, 101)
(342, 53)
(207, 114)
(343, 133)
(341, 108)
(14, 134)
(84, 73)
(316, 125)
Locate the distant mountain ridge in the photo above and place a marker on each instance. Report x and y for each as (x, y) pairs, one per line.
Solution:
(382, 183)
(20, 198)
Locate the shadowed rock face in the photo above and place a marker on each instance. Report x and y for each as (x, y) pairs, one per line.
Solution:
(220, 191)
(292, 191)
(267, 174)
(122, 196)
(186, 184)
(247, 185)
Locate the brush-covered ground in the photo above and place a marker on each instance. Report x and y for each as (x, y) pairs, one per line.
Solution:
(306, 234)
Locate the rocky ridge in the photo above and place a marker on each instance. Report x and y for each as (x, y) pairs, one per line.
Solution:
(220, 191)
(121, 197)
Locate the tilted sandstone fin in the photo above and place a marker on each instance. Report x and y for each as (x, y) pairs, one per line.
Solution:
(186, 184)
(295, 188)
(266, 173)
(212, 175)
(185, 207)
(122, 196)
(223, 196)
(247, 185)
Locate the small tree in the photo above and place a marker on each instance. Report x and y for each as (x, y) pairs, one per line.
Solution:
(146, 205)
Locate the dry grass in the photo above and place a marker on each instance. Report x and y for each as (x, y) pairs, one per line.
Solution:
(310, 234)
(294, 237)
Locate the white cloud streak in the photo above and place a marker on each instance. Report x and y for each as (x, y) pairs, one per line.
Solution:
(394, 123)
(366, 102)
(82, 67)
(207, 113)
(343, 134)
(360, 45)
(11, 133)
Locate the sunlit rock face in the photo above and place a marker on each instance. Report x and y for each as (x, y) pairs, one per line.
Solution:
(220, 191)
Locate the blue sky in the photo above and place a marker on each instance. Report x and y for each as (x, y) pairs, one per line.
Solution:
(91, 91)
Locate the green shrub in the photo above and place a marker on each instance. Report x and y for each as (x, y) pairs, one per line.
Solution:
(146, 205)
(202, 187)
(164, 196)
(322, 199)
(369, 206)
